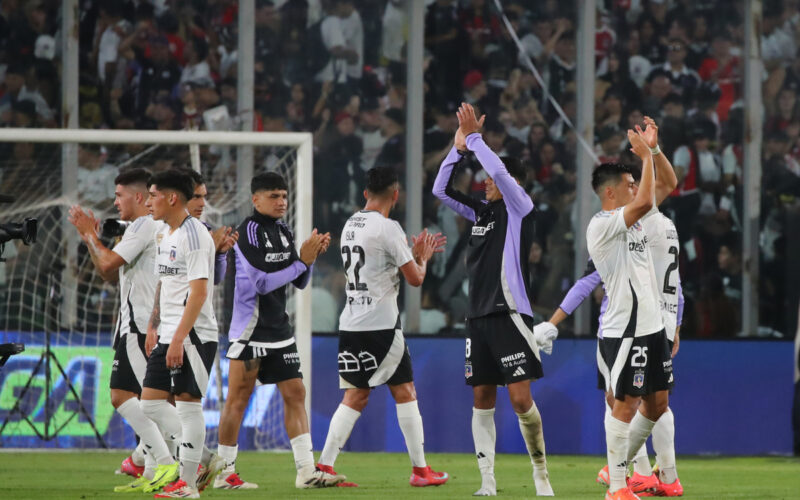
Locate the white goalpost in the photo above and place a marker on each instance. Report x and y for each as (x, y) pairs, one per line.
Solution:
(49, 291)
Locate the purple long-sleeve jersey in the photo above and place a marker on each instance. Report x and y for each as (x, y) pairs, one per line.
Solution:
(501, 236)
(583, 288)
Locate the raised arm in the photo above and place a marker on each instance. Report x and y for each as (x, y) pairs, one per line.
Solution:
(517, 200)
(643, 202)
(105, 261)
(443, 188)
(666, 180)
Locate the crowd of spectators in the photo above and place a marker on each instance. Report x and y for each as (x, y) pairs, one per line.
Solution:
(337, 68)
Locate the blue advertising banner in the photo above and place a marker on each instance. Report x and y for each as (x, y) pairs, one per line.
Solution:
(731, 397)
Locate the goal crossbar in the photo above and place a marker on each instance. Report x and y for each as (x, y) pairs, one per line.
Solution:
(185, 137)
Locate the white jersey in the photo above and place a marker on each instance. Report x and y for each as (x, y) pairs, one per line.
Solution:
(622, 257)
(373, 250)
(137, 283)
(183, 256)
(662, 238)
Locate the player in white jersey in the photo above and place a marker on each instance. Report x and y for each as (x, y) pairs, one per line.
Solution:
(182, 333)
(663, 242)
(372, 349)
(131, 263)
(634, 347)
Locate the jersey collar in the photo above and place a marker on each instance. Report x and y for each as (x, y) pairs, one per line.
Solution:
(263, 219)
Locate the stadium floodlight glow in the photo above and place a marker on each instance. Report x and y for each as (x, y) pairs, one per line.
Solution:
(83, 318)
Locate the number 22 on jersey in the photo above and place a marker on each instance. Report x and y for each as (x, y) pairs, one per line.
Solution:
(351, 268)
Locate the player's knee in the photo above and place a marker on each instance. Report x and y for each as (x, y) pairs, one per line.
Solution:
(521, 403)
(356, 399)
(653, 410)
(484, 401)
(119, 397)
(294, 393)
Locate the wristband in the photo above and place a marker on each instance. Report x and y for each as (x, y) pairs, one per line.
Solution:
(655, 151)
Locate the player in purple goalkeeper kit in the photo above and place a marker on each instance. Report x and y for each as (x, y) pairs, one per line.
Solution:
(501, 348)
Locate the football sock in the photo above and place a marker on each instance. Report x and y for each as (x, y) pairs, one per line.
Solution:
(484, 435)
(149, 466)
(664, 446)
(149, 435)
(302, 450)
(228, 453)
(137, 455)
(530, 424)
(166, 418)
(410, 421)
(206, 458)
(616, 451)
(641, 462)
(640, 428)
(193, 435)
(342, 422)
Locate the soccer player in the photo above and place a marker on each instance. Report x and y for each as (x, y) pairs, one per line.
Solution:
(262, 344)
(131, 262)
(372, 349)
(224, 237)
(182, 333)
(662, 238)
(501, 348)
(634, 349)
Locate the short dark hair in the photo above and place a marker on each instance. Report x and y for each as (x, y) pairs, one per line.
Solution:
(380, 179)
(134, 175)
(608, 172)
(515, 167)
(175, 179)
(197, 177)
(268, 181)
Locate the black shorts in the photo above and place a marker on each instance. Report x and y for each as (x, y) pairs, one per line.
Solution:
(601, 379)
(498, 350)
(192, 377)
(370, 359)
(636, 366)
(130, 363)
(274, 365)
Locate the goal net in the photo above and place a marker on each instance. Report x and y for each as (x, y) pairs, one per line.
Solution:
(51, 295)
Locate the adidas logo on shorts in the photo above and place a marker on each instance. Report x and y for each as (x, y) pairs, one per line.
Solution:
(518, 372)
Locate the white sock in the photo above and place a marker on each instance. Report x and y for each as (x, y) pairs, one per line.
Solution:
(664, 446)
(410, 421)
(484, 436)
(193, 437)
(530, 424)
(149, 435)
(206, 458)
(228, 453)
(166, 418)
(638, 432)
(303, 451)
(641, 462)
(342, 422)
(616, 451)
(137, 455)
(149, 466)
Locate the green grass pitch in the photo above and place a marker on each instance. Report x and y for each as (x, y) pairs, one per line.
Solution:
(88, 475)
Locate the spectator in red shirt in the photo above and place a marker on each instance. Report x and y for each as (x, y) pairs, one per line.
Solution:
(722, 68)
